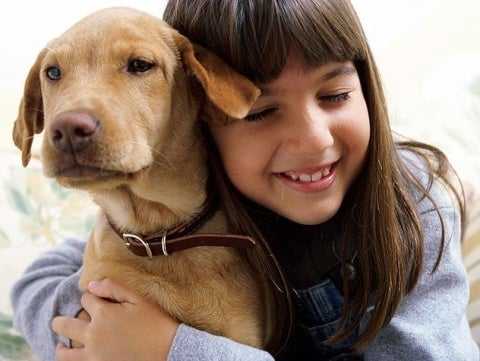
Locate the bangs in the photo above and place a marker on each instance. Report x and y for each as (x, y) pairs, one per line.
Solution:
(322, 31)
(255, 37)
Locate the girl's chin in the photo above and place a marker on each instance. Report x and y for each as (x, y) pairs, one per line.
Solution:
(307, 218)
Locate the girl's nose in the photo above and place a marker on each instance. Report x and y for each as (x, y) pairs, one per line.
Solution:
(309, 131)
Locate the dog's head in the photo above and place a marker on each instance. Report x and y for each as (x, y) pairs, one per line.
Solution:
(113, 94)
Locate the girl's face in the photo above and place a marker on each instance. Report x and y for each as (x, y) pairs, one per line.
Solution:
(303, 142)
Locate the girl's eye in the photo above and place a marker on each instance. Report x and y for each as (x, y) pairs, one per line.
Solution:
(53, 73)
(337, 98)
(136, 66)
(255, 117)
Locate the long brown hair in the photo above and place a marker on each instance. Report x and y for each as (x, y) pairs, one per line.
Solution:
(254, 37)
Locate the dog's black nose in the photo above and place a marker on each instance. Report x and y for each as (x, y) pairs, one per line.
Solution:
(73, 131)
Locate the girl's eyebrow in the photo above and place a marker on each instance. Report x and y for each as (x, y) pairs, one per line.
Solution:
(344, 69)
(340, 70)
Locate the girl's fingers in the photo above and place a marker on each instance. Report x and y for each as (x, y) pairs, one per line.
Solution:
(63, 353)
(91, 303)
(107, 288)
(71, 328)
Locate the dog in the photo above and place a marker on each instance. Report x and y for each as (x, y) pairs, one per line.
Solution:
(118, 97)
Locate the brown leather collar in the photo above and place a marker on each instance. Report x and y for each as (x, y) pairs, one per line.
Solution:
(179, 238)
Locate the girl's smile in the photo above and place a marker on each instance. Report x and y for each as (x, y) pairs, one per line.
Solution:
(303, 142)
(312, 179)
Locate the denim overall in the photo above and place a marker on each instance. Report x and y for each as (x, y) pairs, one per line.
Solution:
(318, 311)
(318, 307)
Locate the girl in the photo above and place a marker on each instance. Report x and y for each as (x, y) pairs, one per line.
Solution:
(365, 229)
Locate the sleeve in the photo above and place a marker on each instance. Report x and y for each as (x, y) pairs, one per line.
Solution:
(191, 344)
(430, 324)
(48, 287)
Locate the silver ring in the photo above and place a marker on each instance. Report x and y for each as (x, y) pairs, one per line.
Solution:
(164, 244)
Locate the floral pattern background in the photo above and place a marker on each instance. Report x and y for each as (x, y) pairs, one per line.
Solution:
(429, 57)
(36, 214)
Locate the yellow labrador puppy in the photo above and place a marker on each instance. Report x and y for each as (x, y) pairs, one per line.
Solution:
(119, 96)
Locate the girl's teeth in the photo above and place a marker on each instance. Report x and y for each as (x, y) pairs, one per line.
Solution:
(305, 178)
(317, 176)
(292, 176)
(309, 178)
(326, 171)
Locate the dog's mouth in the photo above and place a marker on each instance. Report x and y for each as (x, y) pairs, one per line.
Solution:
(86, 176)
(89, 172)
(72, 172)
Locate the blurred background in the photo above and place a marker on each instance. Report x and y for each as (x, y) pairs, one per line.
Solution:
(428, 52)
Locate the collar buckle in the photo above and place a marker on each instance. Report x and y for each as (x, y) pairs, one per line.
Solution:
(129, 237)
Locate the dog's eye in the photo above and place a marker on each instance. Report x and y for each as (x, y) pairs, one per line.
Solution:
(139, 66)
(53, 73)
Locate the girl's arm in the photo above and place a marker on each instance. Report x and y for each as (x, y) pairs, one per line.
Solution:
(49, 287)
(430, 323)
(191, 344)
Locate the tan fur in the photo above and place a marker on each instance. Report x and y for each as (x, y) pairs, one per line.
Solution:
(150, 135)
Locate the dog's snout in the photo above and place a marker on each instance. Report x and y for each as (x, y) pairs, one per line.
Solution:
(73, 131)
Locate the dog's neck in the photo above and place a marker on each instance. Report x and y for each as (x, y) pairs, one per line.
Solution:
(133, 214)
(136, 213)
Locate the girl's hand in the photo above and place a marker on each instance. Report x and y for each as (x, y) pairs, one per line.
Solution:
(124, 327)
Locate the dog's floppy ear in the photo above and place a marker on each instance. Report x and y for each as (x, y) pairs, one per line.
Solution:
(30, 114)
(229, 91)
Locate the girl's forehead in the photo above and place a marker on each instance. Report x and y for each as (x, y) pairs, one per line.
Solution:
(297, 67)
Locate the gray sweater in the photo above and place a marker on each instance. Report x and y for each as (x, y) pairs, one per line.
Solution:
(430, 323)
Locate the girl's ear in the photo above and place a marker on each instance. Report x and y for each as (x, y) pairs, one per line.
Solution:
(229, 91)
(30, 115)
